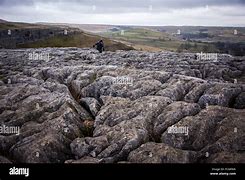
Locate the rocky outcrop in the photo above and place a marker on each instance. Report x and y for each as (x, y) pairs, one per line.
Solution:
(161, 153)
(80, 106)
(4, 160)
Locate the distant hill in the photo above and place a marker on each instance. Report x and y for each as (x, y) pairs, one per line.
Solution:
(26, 35)
(19, 25)
(93, 28)
(194, 39)
(81, 40)
(230, 40)
(2, 21)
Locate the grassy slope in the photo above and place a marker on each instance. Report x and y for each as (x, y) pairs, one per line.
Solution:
(81, 40)
(150, 40)
(141, 38)
(15, 25)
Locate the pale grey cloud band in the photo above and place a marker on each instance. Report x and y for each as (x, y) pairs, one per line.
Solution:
(127, 4)
(101, 11)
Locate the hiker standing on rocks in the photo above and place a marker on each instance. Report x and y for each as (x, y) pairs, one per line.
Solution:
(100, 46)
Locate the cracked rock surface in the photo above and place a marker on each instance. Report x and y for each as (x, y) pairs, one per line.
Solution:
(136, 107)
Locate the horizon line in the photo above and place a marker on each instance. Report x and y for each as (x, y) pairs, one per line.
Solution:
(137, 25)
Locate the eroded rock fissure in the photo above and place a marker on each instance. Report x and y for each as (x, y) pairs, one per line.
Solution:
(121, 106)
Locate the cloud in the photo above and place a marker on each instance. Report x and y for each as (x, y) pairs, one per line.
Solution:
(140, 12)
(124, 5)
(10, 3)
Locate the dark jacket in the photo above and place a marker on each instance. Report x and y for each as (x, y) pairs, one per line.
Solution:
(100, 46)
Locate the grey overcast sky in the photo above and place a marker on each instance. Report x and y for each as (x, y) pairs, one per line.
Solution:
(127, 12)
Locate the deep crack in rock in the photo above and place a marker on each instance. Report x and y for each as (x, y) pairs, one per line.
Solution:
(139, 107)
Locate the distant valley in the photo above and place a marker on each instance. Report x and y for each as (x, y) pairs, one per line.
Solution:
(230, 40)
(195, 39)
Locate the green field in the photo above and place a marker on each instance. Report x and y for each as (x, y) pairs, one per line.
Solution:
(81, 40)
(156, 39)
(215, 40)
(78, 39)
